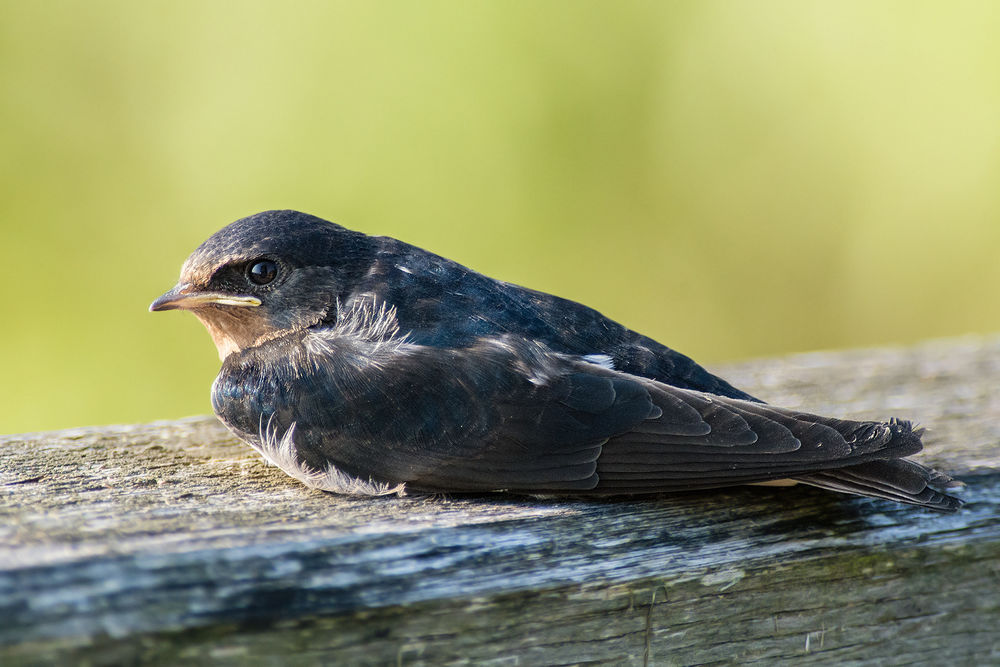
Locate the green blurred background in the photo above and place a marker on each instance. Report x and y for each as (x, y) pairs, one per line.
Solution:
(733, 178)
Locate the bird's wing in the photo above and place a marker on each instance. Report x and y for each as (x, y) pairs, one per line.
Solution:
(863, 458)
(499, 414)
(509, 414)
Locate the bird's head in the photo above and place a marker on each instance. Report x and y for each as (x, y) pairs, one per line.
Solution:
(267, 275)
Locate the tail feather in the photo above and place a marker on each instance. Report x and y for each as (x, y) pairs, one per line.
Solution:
(742, 442)
(898, 479)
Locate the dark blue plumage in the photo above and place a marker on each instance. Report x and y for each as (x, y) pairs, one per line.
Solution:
(366, 365)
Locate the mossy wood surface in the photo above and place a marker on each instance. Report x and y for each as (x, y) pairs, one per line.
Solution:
(170, 541)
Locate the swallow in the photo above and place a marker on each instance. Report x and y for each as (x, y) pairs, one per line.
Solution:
(363, 365)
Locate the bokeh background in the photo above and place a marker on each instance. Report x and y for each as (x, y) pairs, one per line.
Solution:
(733, 178)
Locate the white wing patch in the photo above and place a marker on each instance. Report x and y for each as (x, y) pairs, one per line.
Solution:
(280, 451)
(602, 360)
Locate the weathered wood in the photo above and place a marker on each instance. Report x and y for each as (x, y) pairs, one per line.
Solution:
(169, 542)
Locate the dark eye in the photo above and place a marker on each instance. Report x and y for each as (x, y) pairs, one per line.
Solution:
(262, 272)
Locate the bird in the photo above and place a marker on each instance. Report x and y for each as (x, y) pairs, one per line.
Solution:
(363, 365)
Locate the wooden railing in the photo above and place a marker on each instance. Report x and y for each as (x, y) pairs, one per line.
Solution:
(170, 542)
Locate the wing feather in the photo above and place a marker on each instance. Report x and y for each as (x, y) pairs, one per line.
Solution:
(507, 413)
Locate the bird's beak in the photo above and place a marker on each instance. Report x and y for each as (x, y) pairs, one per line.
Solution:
(185, 296)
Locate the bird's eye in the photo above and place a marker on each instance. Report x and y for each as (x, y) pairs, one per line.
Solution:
(262, 272)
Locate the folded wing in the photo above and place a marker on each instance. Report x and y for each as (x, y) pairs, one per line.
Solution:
(509, 414)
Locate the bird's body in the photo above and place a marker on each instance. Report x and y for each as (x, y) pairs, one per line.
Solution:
(366, 365)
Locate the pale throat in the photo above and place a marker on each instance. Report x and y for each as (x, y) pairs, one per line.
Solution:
(224, 343)
(231, 332)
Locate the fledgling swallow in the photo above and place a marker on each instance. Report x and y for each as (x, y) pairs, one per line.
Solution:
(364, 365)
